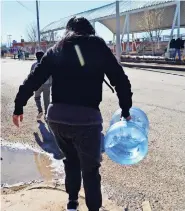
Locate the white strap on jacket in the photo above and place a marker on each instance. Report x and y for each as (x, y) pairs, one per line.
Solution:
(79, 54)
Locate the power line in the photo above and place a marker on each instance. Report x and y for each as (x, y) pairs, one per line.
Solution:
(25, 7)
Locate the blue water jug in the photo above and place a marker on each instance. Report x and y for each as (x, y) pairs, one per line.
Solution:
(125, 143)
(138, 117)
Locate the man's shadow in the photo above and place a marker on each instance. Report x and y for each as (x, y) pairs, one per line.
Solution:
(48, 143)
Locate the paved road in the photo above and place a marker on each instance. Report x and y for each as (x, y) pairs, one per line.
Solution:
(160, 178)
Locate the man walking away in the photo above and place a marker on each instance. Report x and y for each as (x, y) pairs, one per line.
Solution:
(172, 48)
(178, 48)
(74, 115)
(19, 54)
(45, 89)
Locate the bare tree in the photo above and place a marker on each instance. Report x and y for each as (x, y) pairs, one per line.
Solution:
(151, 23)
(32, 36)
(32, 33)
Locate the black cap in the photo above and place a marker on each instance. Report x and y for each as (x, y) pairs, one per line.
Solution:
(39, 55)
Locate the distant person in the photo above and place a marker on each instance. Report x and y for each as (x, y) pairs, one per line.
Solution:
(182, 43)
(74, 115)
(20, 54)
(14, 53)
(172, 48)
(178, 45)
(45, 89)
(2, 53)
(23, 55)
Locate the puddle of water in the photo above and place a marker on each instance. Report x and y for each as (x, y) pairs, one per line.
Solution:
(25, 165)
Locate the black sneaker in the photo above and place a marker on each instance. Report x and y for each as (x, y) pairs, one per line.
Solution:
(72, 206)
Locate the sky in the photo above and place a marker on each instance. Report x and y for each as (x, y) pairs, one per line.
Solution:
(16, 18)
(17, 15)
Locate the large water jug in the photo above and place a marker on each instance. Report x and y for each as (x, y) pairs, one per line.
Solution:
(138, 117)
(126, 143)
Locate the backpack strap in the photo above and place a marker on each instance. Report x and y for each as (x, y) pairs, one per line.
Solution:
(109, 85)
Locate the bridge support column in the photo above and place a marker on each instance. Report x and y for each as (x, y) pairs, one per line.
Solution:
(124, 29)
(94, 25)
(128, 33)
(52, 36)
(173, 26)
(178, 18)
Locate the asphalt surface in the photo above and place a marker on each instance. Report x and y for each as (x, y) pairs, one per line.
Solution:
(160, 177)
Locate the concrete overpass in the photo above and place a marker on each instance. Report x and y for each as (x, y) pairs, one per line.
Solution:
(121, 17)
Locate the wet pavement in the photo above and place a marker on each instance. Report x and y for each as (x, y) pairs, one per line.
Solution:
(23, 163)
(20, 165)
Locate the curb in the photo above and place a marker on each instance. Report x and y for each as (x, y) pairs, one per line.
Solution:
(153, 66)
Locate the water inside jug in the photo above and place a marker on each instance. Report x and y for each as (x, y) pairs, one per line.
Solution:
(125, 143)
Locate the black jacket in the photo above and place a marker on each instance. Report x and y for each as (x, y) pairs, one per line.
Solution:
(75, 84)
(172, 43)
(178, 43)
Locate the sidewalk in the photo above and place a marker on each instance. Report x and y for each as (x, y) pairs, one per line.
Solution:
(43, 197)
(154, 66)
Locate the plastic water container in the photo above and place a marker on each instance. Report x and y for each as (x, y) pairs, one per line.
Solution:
(138, 117)
(126, 143)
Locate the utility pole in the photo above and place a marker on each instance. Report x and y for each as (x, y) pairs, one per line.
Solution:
(9, 40)
(38, 24)
(118, 45)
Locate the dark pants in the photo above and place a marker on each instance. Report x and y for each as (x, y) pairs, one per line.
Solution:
(45, 89)
(81, 146)
(177, 51)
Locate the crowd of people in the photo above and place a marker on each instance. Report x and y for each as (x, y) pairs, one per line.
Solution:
(17, 53)
(3, 52)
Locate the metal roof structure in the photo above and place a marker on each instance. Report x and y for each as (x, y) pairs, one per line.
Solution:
(107, 14)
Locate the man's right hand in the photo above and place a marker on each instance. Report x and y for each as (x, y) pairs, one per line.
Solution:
(128, 118)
